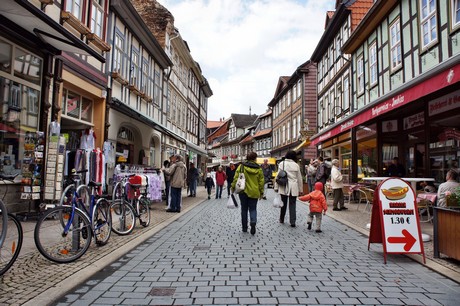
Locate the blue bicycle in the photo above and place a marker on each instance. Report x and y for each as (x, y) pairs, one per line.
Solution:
(63, 234)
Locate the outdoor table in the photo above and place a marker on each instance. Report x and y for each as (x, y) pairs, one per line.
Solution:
(430, 196)
(413, 180)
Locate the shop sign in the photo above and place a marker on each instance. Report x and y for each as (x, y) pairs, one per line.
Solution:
(390, 126)
(395, 222)
(443, 104)
(414, 121)
(449, 134)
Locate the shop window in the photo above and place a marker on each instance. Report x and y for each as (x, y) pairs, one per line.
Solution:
(367, 151)
(5, 56)
(20, 100)
(76, 106)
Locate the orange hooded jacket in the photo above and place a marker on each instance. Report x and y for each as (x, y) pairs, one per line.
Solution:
(317, 200)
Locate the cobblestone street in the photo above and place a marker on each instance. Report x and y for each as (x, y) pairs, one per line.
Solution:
(205, 258)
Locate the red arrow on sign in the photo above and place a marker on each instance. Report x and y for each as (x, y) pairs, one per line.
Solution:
(408, 239)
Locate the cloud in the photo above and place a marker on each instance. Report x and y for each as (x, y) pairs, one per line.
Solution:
(244, 46)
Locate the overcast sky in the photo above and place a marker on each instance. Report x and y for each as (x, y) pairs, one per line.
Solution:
(244, 46)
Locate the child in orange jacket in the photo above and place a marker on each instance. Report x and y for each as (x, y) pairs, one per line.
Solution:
(318, 205)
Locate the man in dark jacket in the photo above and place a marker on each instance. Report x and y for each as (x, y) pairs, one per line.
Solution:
(230, 172)
(192, 179)
(267, 171)
(322, 173)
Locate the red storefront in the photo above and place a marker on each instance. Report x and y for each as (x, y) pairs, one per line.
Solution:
(419, 123)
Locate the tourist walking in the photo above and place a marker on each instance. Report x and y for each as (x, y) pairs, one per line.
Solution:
(209, 184)
(267, 171)
(253, 191)
(293, 188)
(318, 206)
(322, 173)
(220, 181)
(230, 173)
(311, 174)
(337, 186)
(167, 177)
(178, 173)
(192, 179)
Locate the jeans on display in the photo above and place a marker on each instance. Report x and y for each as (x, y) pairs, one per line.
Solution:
(176, 198)
(248, 205)
(219, 189)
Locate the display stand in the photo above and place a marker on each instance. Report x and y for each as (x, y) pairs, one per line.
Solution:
(32, 167)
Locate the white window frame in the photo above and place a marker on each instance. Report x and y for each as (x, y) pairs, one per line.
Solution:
(97, 18)
(395, 45)
(118, 53)
(75, 7)
(428, 23)
(346, 93)
(360, 74)
(455, 14)
(373, 77)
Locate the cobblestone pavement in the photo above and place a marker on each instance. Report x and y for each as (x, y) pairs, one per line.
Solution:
(204, 258)
(33, 275)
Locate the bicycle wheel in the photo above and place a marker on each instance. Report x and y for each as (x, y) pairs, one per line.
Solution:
(63, 244)
(123, 217)
(102, 221)
(11, 247)
(143, 211)
(67, 195)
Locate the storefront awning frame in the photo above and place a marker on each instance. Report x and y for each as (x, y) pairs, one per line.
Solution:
(29, 17)
(196, 149)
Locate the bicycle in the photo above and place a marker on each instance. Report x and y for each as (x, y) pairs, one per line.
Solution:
(126, 208)
(11, 234)
(63, 234)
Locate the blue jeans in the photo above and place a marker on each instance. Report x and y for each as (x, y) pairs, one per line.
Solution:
(248, 204)
(192, 187)
(167, 189)
(176, 198)
(311, 183)
(219, 189)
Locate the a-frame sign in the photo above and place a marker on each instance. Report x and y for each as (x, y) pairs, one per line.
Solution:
(395, 221)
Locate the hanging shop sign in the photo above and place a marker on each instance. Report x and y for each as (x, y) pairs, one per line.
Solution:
(444, 103)
(395, 221)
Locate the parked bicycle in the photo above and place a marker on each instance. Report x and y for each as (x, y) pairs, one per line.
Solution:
(128, 203)
(11, 234)
(63, 234)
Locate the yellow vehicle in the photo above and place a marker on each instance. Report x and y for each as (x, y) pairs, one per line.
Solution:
(273, 165)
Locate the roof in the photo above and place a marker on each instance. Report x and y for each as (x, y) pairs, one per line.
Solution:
(247, 139)
(242, 120)
(213, 124)
(262, 133)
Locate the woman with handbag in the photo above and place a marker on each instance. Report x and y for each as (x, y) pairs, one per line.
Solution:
(252, 192)
(291, 188)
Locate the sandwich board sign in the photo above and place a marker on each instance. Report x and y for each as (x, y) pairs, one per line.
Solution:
(395, 221)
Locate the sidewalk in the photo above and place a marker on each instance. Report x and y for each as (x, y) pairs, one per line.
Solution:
(38, 281)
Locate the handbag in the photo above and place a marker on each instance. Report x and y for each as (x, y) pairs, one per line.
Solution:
(281, 178)
(241, 182)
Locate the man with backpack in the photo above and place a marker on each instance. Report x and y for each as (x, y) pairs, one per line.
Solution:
(323, 172)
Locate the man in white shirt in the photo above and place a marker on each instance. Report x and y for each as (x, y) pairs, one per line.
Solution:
(450, 185)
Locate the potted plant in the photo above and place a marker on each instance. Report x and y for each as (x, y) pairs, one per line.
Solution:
(453, 198)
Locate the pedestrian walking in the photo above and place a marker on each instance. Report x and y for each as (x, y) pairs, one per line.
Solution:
(209, 184)
(337, 186)
(293, 188)
(167, 177)
(230, 172)
(220, 180)
(322, 173)
(178, 173)
(318, 206)
(267, 171)
(253, 190)
(192, 179)
(311, 174)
